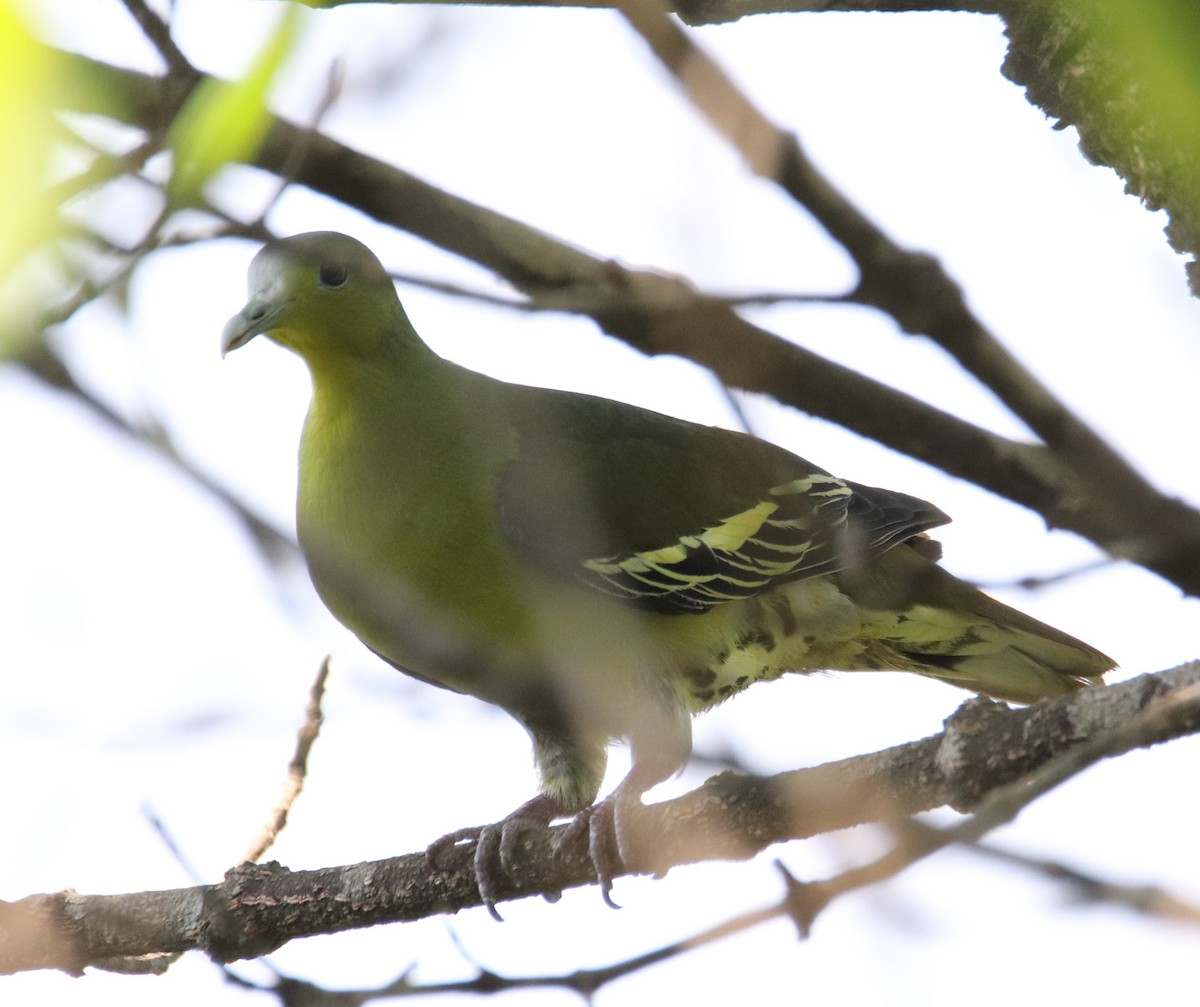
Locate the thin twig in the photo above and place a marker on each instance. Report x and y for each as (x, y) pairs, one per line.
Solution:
(297, 770)
(172, 844)
(1148, 900)
(1035, 582)
(334, 82)
(587, 301)
(103, 169)
(41, 360)
(585, 982)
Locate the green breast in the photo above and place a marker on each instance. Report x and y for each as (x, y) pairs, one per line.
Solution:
(397, 522)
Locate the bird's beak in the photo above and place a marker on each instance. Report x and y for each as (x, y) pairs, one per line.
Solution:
(257, 316)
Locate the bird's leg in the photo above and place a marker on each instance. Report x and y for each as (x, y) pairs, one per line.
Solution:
(608, 831)
(609, 828)
(570, 769)
(660, 748)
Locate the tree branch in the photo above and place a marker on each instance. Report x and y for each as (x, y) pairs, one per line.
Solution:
(1127, 77)
(914, 289)
(702, 12)
(41, 361)
(158, 32)
(985, 753)
(1148, 900)
(661, 314)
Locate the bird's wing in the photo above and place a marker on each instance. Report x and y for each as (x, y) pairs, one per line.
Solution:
(674, 517)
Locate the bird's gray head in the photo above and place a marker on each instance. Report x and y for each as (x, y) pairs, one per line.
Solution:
(320, 294)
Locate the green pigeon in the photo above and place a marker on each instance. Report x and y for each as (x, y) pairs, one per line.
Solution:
(601, 571)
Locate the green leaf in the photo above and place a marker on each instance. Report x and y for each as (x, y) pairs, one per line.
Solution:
(29, 82)
(226, 121)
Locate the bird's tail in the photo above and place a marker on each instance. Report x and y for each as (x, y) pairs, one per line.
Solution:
(952, 631)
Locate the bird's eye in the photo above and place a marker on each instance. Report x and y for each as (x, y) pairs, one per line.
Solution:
(332, 274)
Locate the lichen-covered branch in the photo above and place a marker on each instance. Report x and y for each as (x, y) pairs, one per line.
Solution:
(1127, 77)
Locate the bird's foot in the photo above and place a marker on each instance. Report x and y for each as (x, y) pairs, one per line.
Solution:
(607, 825)
(496, 844)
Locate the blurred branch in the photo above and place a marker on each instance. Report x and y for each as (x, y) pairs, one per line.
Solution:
(103, 169)
(661, 314)
(42, 362)
(1148, 900)
(914, 289)
(702, 12)
(585, 982)
(990, 760)
(1126, 76)
(1159, 717)
(334, 83)
(1036, 582)
(763, 298)
(158, 32)
(174, 847)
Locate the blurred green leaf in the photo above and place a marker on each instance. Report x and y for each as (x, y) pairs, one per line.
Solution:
(28, 86)
(31, 82)
(225, 121)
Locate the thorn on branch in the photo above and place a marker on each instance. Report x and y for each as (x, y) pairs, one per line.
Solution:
(802, 903)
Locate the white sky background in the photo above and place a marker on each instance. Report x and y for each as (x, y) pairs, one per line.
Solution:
(153, 661)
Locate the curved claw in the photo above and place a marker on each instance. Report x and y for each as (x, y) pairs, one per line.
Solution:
(608, 838)
(491, 839)
(493, 843)
(496, 845)
(604, 848)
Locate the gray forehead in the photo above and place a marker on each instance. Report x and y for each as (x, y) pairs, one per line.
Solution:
(314, 250)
